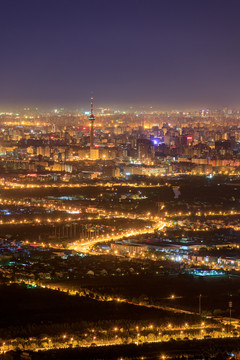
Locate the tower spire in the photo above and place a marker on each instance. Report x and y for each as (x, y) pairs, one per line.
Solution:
(91, 106)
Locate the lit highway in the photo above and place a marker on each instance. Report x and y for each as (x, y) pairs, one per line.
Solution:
(86, 246)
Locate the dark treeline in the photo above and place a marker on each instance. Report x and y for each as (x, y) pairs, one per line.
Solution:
(205, 349)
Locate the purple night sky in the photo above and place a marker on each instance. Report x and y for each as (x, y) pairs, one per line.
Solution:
(165, 53)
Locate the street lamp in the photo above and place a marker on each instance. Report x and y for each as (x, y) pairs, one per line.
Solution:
(230, 314)
(200, 304)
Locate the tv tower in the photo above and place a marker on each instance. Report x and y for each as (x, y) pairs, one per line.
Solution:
(92, 119)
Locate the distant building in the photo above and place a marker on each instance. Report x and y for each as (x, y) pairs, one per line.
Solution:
(145, 149)
(128, 249)
(94, 153)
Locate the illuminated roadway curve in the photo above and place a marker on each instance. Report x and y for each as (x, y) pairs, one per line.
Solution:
(86, 246)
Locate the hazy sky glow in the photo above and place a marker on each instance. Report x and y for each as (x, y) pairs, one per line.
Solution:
(167, 53)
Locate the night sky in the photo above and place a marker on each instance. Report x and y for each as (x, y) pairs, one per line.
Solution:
(165, 53)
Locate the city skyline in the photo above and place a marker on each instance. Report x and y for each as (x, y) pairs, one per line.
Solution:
(119, 180)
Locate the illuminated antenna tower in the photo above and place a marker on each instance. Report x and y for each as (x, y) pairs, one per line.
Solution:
(92, 119)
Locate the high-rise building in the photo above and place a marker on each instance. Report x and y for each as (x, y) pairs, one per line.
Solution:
(144, 149)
